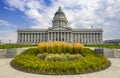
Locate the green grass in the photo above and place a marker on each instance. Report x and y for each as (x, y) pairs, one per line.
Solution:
(6, 46)
(114, 46)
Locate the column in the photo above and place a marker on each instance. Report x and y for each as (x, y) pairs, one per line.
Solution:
(71, 39)
(37, 37)
(87, 38)
(67, 36)
(54, 36)
(97, 36)
(18, 40)
(78, 37)
(58, 35)
(40, 37)
(22, 37)
(100, 37)
(25, 37)
(64, 36)
(83, 38)
(44, 36)
(48, 36)
(94, 38)
(61, 36)
(34, 35)
(75, 37)
(29, 37)
(51, 36)
(90, 36)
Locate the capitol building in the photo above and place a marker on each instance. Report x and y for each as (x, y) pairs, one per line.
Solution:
(60, 32)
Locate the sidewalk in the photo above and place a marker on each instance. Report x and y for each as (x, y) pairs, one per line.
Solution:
(6, 71)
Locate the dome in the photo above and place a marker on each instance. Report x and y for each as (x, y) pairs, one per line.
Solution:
(59, 19)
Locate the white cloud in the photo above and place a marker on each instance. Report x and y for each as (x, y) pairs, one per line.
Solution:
(4, 23)
(80, 13)
(17, 4)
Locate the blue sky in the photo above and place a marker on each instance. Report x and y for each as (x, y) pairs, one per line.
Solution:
(36, 14)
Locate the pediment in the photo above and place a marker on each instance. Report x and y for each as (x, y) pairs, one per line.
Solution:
(59, 29)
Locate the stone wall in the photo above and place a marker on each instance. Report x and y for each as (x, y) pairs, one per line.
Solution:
(110, 53)
(2, 53)
(11, 52)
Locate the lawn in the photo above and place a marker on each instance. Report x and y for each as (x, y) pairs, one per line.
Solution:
(6, 46)
(114, 46)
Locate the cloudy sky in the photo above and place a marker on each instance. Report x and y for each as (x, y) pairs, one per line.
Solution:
(16, 14)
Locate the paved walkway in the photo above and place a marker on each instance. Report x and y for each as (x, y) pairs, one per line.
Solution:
(6, 71)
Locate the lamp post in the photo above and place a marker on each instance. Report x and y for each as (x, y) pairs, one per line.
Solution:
(10, 43)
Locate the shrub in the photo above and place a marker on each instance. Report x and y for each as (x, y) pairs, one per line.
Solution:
(59, 57)
(59, 47)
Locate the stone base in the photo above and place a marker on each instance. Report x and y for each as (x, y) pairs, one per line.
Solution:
(10, 53)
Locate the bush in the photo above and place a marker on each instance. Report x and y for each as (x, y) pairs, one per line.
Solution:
(59, 57)
(59, 47)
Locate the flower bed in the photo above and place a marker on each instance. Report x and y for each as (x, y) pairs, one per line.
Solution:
(46, 60)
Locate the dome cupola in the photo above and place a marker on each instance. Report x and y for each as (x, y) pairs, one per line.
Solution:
(59, 11)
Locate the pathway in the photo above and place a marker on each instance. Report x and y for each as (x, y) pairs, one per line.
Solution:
(6, 71)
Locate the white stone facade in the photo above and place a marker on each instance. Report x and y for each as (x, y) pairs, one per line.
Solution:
(60, 32)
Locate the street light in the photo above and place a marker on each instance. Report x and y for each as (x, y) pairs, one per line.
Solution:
(10, 43)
